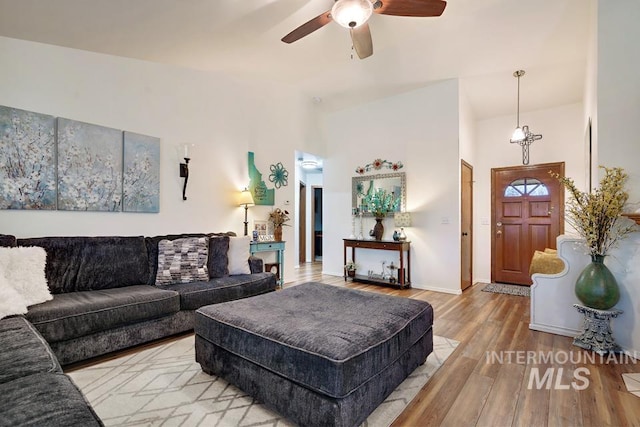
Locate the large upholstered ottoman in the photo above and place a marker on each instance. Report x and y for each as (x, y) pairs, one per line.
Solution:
(318, 354)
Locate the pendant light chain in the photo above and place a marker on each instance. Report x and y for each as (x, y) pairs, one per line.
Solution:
(522, 136)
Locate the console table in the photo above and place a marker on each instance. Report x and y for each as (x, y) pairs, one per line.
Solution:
(404, 274)
(278, 248)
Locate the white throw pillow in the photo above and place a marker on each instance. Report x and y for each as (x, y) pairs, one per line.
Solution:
(239, 255)
(10, 301)
(23, 269)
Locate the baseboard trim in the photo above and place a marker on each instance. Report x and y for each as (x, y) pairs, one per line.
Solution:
(567, 332)
(442, 290)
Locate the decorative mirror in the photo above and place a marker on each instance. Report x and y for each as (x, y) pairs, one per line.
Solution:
(390, 182)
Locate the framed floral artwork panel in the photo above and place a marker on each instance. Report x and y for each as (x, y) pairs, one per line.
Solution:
(27, 160)
(141, 181)
(89, 167)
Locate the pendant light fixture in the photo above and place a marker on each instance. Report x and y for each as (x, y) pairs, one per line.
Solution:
(522, 135)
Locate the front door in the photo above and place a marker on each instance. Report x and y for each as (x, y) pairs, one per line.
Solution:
(527, 215)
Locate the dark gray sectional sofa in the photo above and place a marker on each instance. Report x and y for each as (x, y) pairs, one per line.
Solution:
(34, 390)
(104, 299)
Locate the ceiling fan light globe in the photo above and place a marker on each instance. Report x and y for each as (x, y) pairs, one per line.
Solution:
(351, 13)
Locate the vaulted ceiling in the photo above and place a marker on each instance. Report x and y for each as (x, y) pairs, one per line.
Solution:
(479, 41)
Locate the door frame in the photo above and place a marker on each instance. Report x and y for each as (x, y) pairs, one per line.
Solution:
(465, 164)
(302, 223)
(313, 220)
(523, 169)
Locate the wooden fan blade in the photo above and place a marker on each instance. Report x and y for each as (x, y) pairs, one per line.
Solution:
(308, 27)
(420, 8)
(362, 43)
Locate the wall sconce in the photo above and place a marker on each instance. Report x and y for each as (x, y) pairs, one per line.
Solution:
(184, 171)
(246, 200)
(402, 219)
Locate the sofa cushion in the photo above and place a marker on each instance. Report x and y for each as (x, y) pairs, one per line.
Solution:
(338, 338)
(7, 240)
(23, 269)
(77, 314)
(151, 244)
(218, 259)
(182, 260)
(45, 400)
(24, 351)
(152, 251)
(92, 263)
(198, 294)
(11, 302)
(239, 255)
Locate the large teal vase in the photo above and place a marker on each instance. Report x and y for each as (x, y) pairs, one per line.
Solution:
(596, 286)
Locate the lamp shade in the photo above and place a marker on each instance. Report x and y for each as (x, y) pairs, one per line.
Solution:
(518, 135)
(402, 219)
(245, 198)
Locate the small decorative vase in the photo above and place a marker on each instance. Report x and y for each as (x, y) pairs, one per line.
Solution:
(378, 229)
(277, 233)
(351, 273)
(596, 286)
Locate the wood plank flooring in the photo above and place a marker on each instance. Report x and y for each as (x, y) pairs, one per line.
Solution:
(469, 390)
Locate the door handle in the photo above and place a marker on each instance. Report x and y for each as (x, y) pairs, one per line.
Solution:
(499, 232)
(498, 224)
(464, 233)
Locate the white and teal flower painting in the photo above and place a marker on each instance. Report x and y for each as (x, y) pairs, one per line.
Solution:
(141, 185)
(89, 167)
(27, 160)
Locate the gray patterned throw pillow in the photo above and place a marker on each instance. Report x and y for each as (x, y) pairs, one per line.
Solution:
(182, 260)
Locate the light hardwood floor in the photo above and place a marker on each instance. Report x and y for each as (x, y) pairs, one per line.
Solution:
(468, 390)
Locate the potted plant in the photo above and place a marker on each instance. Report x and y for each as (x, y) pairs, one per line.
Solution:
(380, 202)
(278, 217)
(351, 267)
(597, 218)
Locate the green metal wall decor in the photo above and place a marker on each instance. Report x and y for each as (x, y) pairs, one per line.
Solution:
(261, 194)
(279, 175)
(378, 164)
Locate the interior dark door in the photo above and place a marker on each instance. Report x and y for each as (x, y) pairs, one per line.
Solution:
(527, 215)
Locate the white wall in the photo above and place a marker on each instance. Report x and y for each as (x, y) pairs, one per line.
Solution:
(618, 103)
(562, 141)
(420, 129)
(619, 89)
(223, 117)
(467, 128)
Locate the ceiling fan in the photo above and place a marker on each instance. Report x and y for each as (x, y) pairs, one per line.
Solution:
(354, 14)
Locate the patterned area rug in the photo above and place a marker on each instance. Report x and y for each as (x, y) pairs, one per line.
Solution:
(164, 386)
(503, 288)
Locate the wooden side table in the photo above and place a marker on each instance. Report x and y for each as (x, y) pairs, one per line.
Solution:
(278, 248)
(596, 331)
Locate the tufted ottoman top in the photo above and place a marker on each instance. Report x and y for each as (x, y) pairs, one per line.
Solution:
(326, 338)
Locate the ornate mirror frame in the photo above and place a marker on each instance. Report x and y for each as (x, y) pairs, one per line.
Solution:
(391, 182)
